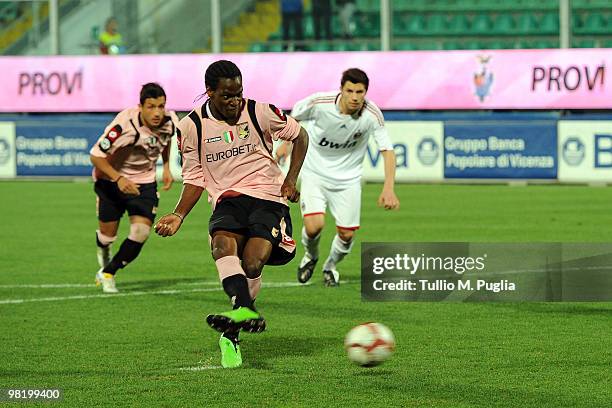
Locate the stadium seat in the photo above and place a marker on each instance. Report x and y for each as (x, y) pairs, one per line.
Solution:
(584, 43)
(527, 24)
(308, 25)
(458, 24)
(496, 45)
(400, 21)
(576, 21)
(430, 45)
(320, 46)
(544, 44)
(451, 45)
(595, 23)
(436, 24)
(257, 47)
(368, 25)
(481, 24)
(504, 24)
(368, 5)
(416, 25)
(404, 46)
(549, 23)
(473, 45)
(275, 48)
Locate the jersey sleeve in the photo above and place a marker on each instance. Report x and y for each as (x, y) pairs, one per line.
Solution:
(304, 109)
(276, 123)
(379, 131)
(187, 141)
(119, 133)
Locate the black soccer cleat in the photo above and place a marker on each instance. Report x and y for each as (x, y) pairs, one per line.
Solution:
(305, 270)
(331, 278)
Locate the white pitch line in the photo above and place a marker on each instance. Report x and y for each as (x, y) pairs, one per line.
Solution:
(137, 293)
(48, 286)
(201, 368)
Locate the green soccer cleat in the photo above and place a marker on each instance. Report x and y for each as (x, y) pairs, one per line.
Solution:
(241, 318)
(230, 353)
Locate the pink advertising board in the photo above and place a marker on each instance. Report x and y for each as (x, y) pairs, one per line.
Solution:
(406, 80)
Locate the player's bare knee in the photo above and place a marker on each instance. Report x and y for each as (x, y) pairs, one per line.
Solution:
(346, 235)
(252, 266)
(314, 231)
(222, 246)
(139, 232)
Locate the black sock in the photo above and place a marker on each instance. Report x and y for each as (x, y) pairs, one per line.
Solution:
(98, 243)
(236, 286)
(128, 251)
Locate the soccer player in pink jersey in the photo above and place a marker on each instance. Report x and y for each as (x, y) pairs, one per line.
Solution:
(226, 147)
(124, 160)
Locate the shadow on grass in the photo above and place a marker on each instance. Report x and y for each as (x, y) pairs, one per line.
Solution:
(270, 348)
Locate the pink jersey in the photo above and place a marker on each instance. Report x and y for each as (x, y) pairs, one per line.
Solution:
(229, 159)
(131, 147)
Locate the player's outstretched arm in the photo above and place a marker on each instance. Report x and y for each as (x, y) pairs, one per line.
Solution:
(169, 224)
(300, 146)
(387, 198)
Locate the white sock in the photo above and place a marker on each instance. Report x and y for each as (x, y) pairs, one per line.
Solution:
(339, 249)
(311, 245)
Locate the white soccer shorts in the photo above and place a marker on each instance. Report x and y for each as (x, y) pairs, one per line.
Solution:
(344, 201)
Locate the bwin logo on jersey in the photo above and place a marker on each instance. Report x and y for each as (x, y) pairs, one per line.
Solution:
(428, 151)
(328, 143)
(573, 151)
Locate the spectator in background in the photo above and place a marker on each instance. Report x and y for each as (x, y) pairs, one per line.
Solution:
(111, 42)
(321, 16)
(346, 13)
(292, 13)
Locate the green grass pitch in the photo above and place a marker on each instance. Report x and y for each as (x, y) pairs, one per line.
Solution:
(150, 347)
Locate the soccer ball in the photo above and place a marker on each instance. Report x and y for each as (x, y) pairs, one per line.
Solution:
(369, 344)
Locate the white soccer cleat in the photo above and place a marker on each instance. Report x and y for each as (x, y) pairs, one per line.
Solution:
(107, 281)
(104, 256)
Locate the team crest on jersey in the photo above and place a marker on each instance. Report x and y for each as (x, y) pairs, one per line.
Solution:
(279, 113)
(357, 135)
(243, 130)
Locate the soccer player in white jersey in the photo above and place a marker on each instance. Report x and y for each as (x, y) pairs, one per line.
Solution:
(339, 125)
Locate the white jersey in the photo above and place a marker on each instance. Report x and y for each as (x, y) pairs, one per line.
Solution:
(338, 142)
